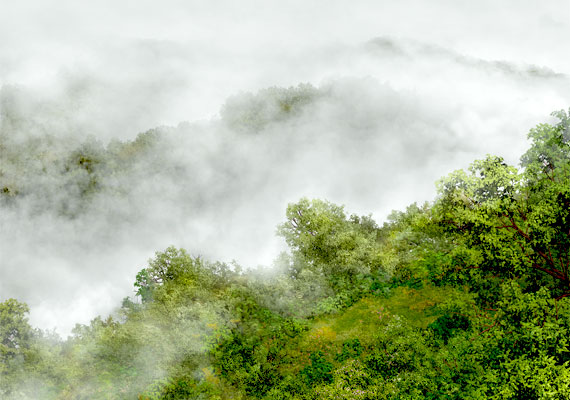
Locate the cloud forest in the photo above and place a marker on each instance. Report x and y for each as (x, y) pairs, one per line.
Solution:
(465, 296)
(284, 201)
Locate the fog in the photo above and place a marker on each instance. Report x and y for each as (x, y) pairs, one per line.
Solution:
(394, 96)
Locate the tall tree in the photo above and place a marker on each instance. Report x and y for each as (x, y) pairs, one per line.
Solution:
(518, 221)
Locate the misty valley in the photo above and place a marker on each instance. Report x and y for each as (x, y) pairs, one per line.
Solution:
(466, 296)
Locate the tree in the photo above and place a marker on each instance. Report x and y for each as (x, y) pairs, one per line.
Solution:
(15, 332)
(15, 341)
(325, 239)
(518, 221)
(177, 265)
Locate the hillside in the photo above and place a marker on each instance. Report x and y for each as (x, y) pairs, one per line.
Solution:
(465, 297)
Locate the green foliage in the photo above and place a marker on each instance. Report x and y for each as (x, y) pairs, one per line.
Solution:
(515, 224)
(246, 362)
(350, 349)
(177, 266)
(550, 147)
(445, 326)
(15, 340)
(467, 298)
(15, 332)
(248, 355)
(318, 371)
(411, 243)
(145, 285)
(398, 349)
(344, 249)
(29, 358)
(178, 388)
(351, 381)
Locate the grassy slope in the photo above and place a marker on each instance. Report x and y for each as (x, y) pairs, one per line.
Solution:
(361, 321)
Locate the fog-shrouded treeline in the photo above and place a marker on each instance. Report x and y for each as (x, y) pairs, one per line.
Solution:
(463, 297)
(368, 113)
(78, 204)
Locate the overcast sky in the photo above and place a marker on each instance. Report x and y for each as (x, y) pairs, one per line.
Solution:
(415, 89)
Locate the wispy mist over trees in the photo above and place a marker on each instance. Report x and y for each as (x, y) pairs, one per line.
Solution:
(104, 203)
(465, 296)
(197, 200)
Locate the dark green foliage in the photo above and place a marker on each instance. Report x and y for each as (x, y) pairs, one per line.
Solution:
(350, 349)
(144, 285)
(408, 281)
(447, 325)
(245, 362)
(318, 371)
(380, 288)
(249, 355)
(178, 388)
(391, 359)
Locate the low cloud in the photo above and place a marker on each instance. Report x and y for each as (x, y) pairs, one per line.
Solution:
(384, 110)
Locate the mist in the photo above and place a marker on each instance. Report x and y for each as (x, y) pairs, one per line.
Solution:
(392, 97)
